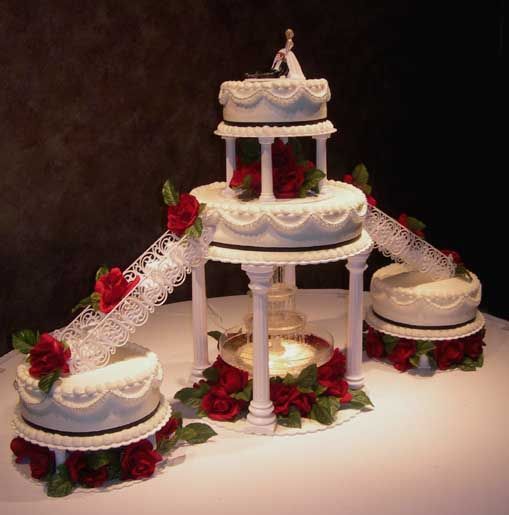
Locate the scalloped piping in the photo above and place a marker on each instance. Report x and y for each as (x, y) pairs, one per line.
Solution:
(281, 92)
(94, 443)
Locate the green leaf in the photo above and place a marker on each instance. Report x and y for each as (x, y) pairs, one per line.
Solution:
(292, 420)
(461, 271)
(167, 444)
(308, 377)
(96, 460)
(192, 396)
(320, 389)
(211, 374)
(46, 382)
(360, 399)
(201, 413)
(83, 303)
(305, 389)
(246, 394)
(289, 379)
(468, 366)
(389, 342)
(114, 468)
(425, 346)
(197, 432)
(249, 150)
(415, 224)
(171, 196)
(323, 411)
(196, 229)
(414, 360)
(216, 335)
(202, 208)
(24, 340)
(59, 484)
(360, 174)
(366, 188)
(312, 179)
(102, 270)
(479, 362)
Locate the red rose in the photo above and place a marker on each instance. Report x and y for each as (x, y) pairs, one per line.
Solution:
(218, 405)
(113, 287)
(348, 178)
(233, 380)
(21, 449)
(47, 356)
(339, 388)
(456, 258)
(283, 396)
(221, 365)
(473, 345)
(304, 402)
(240, 174)
(168, 429)
(374, 344)
(401, 354)
(334, 368)
(448, 352)
(283, 158)
(371, 200)
(184, 214)
(138, 460)
(42, 461)
(75, 464)
(287, 183)
(94, 478)
(403, 219)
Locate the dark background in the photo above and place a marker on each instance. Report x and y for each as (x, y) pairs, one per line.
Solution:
(101, 101)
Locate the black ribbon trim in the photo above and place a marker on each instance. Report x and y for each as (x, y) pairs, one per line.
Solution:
(282, 249)
(273, 124)
(93, 433)
(430, 327)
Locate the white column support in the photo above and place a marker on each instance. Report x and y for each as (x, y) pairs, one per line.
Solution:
(267, 193)
(60, 456)
(289, 275)
(261, 410)
(356, 266)
(284, 140)
(230, 159)
(200, 338)
(321, 156)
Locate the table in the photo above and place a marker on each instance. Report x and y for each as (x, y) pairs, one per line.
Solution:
(432, 445)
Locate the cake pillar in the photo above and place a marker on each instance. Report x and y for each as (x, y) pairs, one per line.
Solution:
(60, 456)
(230, 159)
(356, 266)
(267, 192)
(289, 275)
(261, 410)
(199, 310)
(321, 156)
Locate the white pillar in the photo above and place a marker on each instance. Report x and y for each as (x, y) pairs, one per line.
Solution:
(267, 193)
(60, 456)
(200, 338)
(261, 410)
(284, 140)
(321, 156)
(356, 266)
(230, 159)
(289, 275)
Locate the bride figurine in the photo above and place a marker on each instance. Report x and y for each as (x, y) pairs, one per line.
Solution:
(285, 63)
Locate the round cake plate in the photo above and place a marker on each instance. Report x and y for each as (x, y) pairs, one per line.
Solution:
(424, 334)
(324, 128)
(308, 425)
(94, 443)
(305, 257)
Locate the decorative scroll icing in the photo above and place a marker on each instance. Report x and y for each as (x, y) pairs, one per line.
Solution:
(94, 336)
(281, 92)
(403, 246)
(269, 131)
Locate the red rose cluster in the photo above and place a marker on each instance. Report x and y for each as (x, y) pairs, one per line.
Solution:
(47, 356)
(413, 224)
(41, 459)
(288, 175)
(112, 287)
(349, 179)
(463, 352)
(183, 215)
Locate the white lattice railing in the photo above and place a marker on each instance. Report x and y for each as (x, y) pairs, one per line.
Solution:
(403, 246)
(94, 336)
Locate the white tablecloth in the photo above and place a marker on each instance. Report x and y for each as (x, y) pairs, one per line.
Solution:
(435, 444)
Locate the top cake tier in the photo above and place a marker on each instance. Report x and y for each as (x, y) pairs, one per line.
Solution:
(254, 102)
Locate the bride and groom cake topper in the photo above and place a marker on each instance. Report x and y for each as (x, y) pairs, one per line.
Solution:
(285, 63)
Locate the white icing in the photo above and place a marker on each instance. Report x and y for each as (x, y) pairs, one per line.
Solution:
(274, 100)
(121, 393)
(267, 131)
(410, 297)
(332, 217)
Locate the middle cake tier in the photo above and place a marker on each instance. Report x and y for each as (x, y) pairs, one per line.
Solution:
(332, 218)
